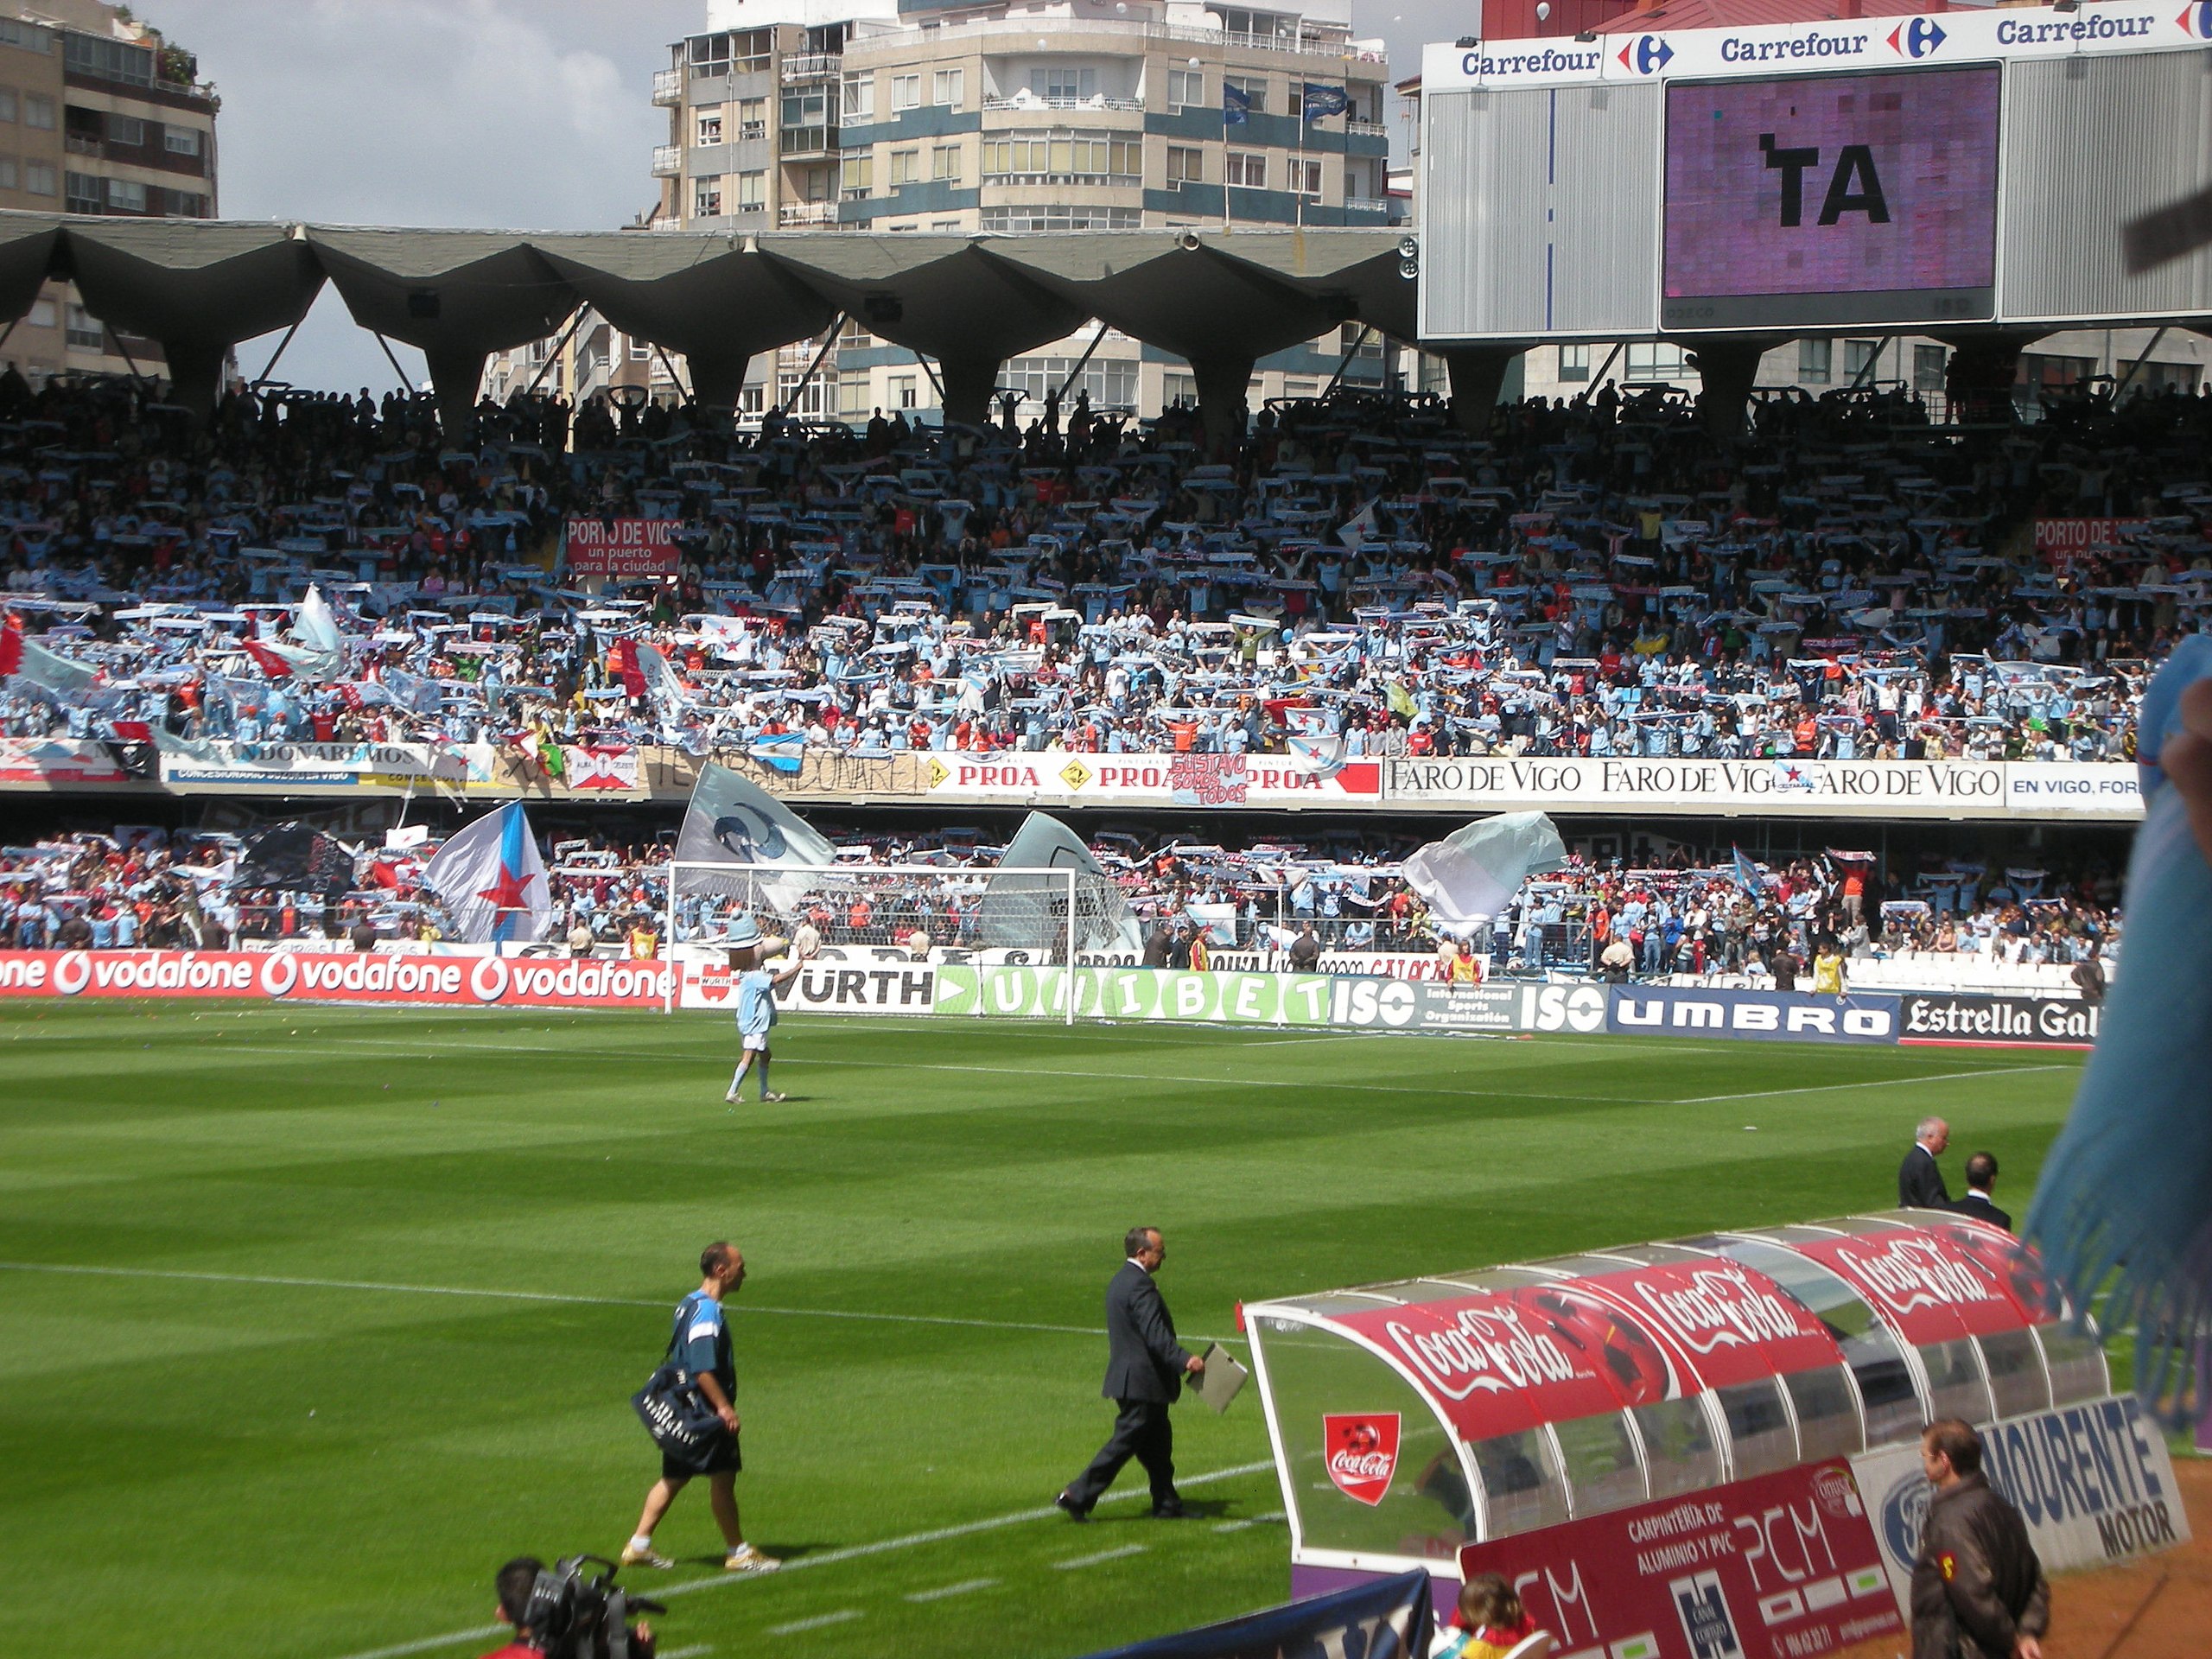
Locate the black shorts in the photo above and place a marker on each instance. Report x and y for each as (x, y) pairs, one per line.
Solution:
(717, 1456)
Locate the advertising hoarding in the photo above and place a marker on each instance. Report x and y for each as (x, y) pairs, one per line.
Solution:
(1965, 1019)
(1758, 1016)
(2093, 1482)
(1783, 1566)
(332, 977)
(1831, 198)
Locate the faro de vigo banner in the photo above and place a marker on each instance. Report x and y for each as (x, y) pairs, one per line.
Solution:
(334, 976)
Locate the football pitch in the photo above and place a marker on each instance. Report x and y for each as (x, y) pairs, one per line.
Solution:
(310, 1317)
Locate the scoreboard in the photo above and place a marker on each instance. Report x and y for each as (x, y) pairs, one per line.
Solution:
(1955, 169)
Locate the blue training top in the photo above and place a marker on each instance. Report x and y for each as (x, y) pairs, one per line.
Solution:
(756, 1001)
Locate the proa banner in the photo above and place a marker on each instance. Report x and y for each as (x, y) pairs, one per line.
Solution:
(1967, 1018)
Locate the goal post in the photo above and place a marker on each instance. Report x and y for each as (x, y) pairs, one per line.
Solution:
(1041, 915)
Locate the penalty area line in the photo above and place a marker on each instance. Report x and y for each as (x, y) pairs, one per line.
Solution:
(827, 1558)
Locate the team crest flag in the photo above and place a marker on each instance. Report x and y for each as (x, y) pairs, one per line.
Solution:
(491, 880)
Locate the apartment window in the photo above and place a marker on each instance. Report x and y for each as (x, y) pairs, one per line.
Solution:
(752, 117)
(751, 191)
(1859, 357)
(808, 109)
(905, 93)
(706, 197)
(106, 60)
(860, 98)
(859, 177)
(905, 392)
(1186, 89)
(185, 205)
(709, 127)
(944, 163)
(1575, 363)
(1650, 359)
(1111, 382)
(1264, 28)
(906, 167)
(1248, 169)
(1068, 84)
(1355, 336)
(1186, 164)
(1816, 358)
(181, 141)
(7, 104)
(752, 400)
(946, 86)
(641, 351)
(38, 112)
(1017, 221)
(11, 174)
(945, 226)
(82, 194)
(1178, 389)
(1255, 88)
(1928, 363)
(1305, 176)
(1068, 156)
(42, 314)
(85, 329)
(23, 34)
(38, 178)
(127, 131)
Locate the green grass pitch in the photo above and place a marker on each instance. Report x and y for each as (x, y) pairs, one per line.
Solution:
(312, 1317)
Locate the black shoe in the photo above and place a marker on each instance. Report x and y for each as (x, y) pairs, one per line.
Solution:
(1073, 1511)
(1171, 1510)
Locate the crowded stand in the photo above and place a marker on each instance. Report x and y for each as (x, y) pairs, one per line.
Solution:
(1598, 578)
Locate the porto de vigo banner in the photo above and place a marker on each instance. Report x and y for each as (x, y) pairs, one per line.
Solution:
(621, 547)
(1783, 1566)
(2093, 1482)
(1884, 788)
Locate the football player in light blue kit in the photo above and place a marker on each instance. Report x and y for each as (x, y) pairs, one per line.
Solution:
(756, 999)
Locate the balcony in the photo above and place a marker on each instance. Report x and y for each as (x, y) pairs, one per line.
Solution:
(799, 143)
(800, 213)
(1040, 103)
(82, 143)
(668, 87)
(668, 161)
(1367, 129)
(812, 66)
(1376, 205)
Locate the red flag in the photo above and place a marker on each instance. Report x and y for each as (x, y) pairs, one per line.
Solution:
(133, 731)
(11, 644)
(623, 659)
(272, 664)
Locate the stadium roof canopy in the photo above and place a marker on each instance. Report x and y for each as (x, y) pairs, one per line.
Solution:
(1220, 299)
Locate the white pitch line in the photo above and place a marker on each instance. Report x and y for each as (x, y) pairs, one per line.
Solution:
(967, 1587)
(1876, 1083)
(288, 1280)
(821, 1621)
(692, 1652)
(1071, 1565)
(832, 1557)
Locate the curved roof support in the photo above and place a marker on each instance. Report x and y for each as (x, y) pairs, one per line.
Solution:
(198, 287)
(29, 244)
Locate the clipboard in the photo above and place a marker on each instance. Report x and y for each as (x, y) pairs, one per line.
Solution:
(1223, 1378)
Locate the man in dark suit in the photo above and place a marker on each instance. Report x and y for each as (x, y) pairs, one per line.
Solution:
(1920, 1183)
(1145, 1367)
(1978, 1206)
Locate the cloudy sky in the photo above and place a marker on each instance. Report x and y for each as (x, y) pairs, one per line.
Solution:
(520, 114)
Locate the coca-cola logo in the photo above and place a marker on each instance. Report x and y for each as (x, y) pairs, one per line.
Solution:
(1911, 1273)
(1721, 1307)
(1362, 1452)
(1485, 1349)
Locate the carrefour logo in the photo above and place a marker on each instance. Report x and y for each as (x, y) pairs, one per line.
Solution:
(1920, 37)
(1647, 54)
(2197, 20)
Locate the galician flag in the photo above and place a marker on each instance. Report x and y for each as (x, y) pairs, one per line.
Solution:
(492, 882)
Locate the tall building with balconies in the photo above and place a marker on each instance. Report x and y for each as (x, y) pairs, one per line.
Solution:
(910, 115)
(134, 138)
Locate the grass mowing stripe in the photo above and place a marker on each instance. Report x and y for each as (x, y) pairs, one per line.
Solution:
(833, 1557)
(283, 1279)
(1870, 1083)
(820, 1621)
(1071, 1565)
(966, 1587)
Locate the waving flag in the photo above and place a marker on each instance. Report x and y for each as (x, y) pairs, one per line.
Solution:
(267, 659)
(1323, 101)
(733, 820)
(492, 880)
(1467, 877)
(1747, 873)
(1235, 105)
(1320, 757)
(1029, 910)
(11, 645)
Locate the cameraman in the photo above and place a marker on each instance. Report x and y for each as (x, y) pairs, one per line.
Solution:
(516, 1582)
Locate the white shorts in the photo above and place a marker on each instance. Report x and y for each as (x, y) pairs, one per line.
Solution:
(751, 1040)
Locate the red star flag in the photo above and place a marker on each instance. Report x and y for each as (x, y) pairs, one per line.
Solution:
(492, 882)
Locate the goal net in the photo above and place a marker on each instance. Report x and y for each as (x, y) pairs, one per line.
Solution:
(860, 924)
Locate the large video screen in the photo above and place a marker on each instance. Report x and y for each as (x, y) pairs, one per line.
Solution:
(1831, 200)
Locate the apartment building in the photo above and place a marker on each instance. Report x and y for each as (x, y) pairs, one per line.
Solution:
(99, 114)
(1073, 115)
(589, 356)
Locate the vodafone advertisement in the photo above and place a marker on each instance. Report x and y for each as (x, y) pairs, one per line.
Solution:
(350, 977)
(1159, 780)
(622, 547)
(1781, 1567)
